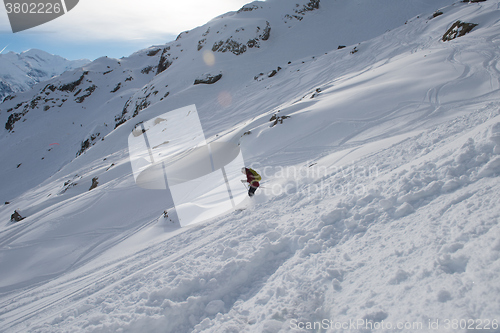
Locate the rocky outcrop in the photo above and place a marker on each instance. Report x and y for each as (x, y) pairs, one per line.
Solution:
(94, 183)
(43, 97)
(277, 120)
(88, 92)
(300, 12)
(208, 79)
(237, 47)
(201, 43)
(147, 70)
(458, 29)
(181, 35)
(165, 61)
(152, 53)
(118, 86)
(229, 45)
(273, 72)
(310, 6)
(13, 118)
(16, 217)
(70, 87)
(266, 33)
(436, 14)
(140, 104)
(88, 143)
(248, 8)
(69, 184)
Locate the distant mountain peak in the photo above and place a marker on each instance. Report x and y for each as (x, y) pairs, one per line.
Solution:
(21, 71)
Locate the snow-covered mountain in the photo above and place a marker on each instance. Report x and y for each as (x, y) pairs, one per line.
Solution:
(251, 43)
(21, 71)
(379, 203)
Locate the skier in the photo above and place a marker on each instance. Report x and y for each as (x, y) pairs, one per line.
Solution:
(253, 179)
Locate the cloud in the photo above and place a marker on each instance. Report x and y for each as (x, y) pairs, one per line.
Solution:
(135, 20)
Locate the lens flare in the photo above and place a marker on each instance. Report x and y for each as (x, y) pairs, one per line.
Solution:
(225, 99)
(209, 58)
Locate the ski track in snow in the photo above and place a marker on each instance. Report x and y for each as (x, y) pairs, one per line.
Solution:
(291, 241)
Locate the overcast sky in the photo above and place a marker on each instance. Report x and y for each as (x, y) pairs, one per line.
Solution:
(114, 28)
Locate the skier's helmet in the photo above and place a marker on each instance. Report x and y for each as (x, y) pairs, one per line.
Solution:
(243, 170)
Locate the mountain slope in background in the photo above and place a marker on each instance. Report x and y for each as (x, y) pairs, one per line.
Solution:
(21, 71)
(381, 187)
(244, 46)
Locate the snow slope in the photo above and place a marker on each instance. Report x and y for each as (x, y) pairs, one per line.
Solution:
(21, 71)
(113, 91)
(379, 204)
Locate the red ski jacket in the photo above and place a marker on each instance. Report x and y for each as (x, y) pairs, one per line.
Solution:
(252, 177)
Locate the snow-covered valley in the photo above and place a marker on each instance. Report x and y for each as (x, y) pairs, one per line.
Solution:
(378, 209)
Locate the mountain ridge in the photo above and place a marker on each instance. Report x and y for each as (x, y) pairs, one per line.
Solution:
(21, 71)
